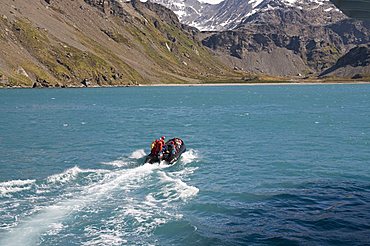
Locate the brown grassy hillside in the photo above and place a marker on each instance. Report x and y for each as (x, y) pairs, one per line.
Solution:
(100, 42)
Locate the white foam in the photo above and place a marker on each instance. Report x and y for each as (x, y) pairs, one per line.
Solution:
(55, 228)
(72, 174)
(139, 216)
(29, 230)
(14, 186)
(185, 172)
(17, 182)
(189, 156)
(150, 200)
(146, 214)
(137, 154)
(149, 212)
(103, 237)
(183, 190)
(66, 176)
(117, 163)
(124, 161)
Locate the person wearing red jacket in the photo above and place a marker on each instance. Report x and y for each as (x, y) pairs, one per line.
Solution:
(157, 147)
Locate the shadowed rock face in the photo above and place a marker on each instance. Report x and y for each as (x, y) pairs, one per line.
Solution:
(228, 14)
(209, 17)
(355, 64)
(313, 34)
(313, 38)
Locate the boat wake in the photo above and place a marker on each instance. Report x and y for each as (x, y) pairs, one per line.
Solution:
(15, 186)
(126, 161)
(108, 205)
(189, 156)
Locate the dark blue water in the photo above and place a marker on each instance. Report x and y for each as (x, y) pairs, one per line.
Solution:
(266, 165)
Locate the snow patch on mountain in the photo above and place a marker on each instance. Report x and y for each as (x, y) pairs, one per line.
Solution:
(228, 14)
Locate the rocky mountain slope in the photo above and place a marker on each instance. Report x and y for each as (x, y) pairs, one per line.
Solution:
(355, 64)
(188, 11)
(99, 42)
(210, 17)
(113, 42)
(290, 38)
(228, 14)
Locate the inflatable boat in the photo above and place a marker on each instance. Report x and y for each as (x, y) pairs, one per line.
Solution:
(169, 156)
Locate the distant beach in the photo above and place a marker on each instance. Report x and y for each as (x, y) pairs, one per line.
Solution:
(202, 84)
(257, 83)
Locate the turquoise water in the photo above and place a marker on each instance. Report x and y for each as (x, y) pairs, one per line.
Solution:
(266, 165)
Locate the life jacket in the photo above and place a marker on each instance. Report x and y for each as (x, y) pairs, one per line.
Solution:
(154, 147)
(159, 145)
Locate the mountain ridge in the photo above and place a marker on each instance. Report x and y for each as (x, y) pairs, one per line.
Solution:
(100, 42)
(111, 43)
(284, 39)
(228, 14)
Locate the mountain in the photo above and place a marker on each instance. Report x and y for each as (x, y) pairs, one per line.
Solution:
(355, 64)
(290, 38)
(100, 42)
(112, 42)
(210, 17)
(188, 11)
(230, 13)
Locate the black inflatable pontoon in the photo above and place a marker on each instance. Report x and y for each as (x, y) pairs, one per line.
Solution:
(167, 156)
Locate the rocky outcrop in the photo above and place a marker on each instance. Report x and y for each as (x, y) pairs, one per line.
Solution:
(355, 64)
(209, 17)
(276, 37)
(188, 11)
(167, 16)
(228, 14)
(307, 35)
(109, 7)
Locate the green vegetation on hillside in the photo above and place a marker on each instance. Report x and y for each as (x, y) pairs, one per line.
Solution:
(91, 46)
(66, 63)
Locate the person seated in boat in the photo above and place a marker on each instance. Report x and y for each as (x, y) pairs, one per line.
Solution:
(157, 146)
(171, 148)
(164, 149)
(178, 143)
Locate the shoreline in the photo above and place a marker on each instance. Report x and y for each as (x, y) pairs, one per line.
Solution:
(203, 85)
(255, 84)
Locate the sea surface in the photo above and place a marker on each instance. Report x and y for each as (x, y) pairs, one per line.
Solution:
(265, 165)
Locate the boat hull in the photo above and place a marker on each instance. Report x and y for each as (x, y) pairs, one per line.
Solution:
(168, 158)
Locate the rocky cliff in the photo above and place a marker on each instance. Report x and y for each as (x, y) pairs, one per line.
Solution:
(112, 42)
(355, 64)
(302, 40)
(99, 42)
(210, 17)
